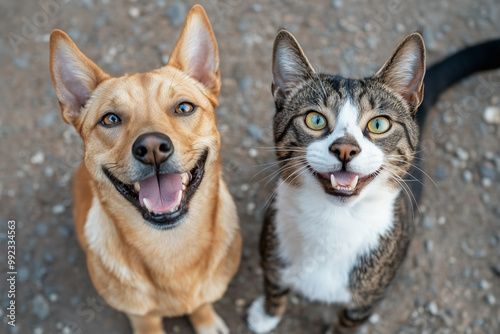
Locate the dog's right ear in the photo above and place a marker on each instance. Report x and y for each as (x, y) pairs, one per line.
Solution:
(74, 75)
(196, 52)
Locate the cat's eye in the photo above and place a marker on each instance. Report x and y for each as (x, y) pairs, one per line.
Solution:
(184, 108)
(379, 125)
(110, 119)
(315, 121)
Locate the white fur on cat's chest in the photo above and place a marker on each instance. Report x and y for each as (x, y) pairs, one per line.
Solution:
(321, 242)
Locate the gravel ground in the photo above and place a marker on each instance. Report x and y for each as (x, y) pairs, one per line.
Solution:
(450, 282)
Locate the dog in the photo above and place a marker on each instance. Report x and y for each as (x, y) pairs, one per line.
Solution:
(151, 210)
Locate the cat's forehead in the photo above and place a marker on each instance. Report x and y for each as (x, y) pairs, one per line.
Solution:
(330, 93)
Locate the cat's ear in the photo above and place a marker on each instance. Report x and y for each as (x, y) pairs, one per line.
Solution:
(196, 52)
(290, 65)
(74, 75)
(404, 71)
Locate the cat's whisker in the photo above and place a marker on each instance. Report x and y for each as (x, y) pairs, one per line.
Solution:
(420, 169)
(402, 170)
(403, 186)
(268, 202)
(281, 170)
(273, 164)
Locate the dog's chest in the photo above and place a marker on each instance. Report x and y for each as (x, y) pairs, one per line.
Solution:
(321, 243)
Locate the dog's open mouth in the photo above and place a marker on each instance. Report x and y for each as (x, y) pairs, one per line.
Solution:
(163, 199)
(344, 183)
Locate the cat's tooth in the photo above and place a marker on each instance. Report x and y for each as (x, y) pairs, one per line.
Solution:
(147, 205)
(137, 187)
(185, 178)
(332, 180)
(354, 183)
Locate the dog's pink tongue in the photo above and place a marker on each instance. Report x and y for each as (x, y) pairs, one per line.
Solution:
(344, 178)
(162, 197)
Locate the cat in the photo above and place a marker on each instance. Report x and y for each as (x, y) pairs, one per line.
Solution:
(340, 224)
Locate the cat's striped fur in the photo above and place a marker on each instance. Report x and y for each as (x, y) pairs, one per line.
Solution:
(327, 243)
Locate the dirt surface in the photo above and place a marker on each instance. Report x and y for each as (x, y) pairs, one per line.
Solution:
(447, 284)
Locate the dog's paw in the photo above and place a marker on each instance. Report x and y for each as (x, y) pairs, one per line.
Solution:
(258, 320)
(219, 327)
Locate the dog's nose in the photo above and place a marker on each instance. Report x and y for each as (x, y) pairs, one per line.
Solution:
(152, 148)
(345, 152)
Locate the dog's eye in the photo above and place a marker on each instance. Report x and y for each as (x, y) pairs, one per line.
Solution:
(110, 120)
(184, 108)
(379, 125)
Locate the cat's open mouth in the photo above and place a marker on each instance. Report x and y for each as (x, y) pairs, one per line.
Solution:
(344, 183)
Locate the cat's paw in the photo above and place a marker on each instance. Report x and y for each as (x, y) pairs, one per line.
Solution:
(219, 327)
(258, 320)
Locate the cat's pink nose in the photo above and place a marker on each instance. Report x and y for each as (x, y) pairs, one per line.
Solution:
(345, 152)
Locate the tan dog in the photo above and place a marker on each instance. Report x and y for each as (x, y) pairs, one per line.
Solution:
(152, 212)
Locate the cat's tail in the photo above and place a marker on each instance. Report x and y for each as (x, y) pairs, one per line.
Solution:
(442, 75)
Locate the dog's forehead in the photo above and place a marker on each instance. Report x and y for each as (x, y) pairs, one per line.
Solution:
(163, 85)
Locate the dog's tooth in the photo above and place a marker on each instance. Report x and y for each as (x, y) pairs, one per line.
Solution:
(183, 187)
(332, 180)
(137, 187)
(147, 205)
(354, 183)
(179, 198)
(184, 178)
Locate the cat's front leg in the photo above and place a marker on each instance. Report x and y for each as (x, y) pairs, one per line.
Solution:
(351, 320)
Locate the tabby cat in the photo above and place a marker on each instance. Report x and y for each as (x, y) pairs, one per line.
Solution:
(342, 219)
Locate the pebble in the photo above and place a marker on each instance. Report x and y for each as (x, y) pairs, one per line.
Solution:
(486, 182)
(41, 307)
(462, 154)
(337, 4)
(429, 245)
(23, 274)
(38, 330)
(161, 3)
(250, 208)
(479, 322)
(177, 13)
(428, 222)
(134, 12)
(240, 302)
(467, 176)
(257, 8)
(483, 285)
(42, 229)
(47, 120)
(53, 297)
(440, 173)
(38, 158)
(22, 61)
(490, 299)
(253, 153)
(58, 209)
(491, 115)
(374, 319)
(245, 83)
(432, 308)
(488, 172)
(254, 131)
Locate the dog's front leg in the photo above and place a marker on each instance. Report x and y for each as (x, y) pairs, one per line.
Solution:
(206, 321)
(148, 324)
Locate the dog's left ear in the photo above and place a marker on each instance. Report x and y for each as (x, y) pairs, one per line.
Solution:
(196, 52)
(74, 75)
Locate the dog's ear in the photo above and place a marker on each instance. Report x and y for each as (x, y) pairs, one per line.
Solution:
(196, 52)
(290, 65)
(74, 76)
